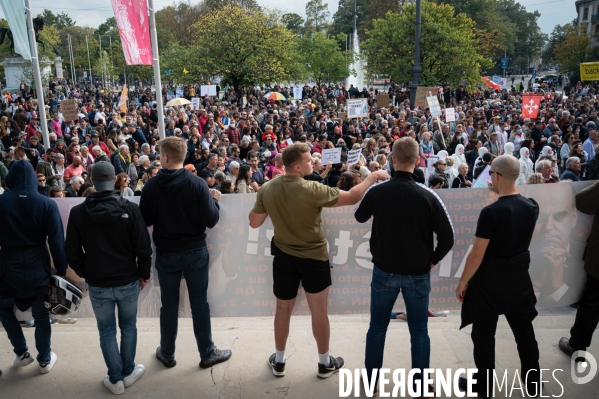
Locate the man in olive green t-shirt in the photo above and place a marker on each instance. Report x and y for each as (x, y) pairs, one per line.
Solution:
(300, 248)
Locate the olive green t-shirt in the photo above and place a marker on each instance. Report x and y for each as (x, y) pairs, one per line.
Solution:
(294, 206)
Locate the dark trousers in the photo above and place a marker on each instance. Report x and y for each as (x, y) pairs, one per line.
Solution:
(587, 316)
(483, 338)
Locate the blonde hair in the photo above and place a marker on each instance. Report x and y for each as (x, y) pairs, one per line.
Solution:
(174, 147)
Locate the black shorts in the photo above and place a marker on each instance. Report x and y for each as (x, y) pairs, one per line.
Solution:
(289, 270)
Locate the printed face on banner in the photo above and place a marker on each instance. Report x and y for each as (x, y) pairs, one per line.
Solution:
(241, 263)
(195, 103)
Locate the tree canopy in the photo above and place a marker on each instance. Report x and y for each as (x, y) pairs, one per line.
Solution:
(323, 59)
(575, 49)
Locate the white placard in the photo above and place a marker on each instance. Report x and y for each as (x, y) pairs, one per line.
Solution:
(353, 157)
(433, 104)
(357, 108)
(496, 79)
(297, 93)
(449, 114)
(195, 103)
(331, 156)
(208, 89)
(289, 141)
(503, 83)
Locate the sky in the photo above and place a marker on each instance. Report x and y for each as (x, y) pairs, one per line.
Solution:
(553, 12)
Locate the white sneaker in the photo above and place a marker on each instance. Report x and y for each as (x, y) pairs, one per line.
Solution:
(138, 371)
(24, 360)
(117, 389)
(46, 367)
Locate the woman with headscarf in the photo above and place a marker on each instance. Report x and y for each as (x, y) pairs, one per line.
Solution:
(526, 166)
(481, 151)
(458, 158)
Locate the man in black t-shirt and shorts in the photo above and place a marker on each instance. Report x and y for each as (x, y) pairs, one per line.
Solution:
(496, 279)
(300, 248)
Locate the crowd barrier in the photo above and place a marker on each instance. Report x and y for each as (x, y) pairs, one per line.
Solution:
(240, 260)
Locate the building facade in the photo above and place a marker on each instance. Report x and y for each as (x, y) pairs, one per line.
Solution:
(588, 18)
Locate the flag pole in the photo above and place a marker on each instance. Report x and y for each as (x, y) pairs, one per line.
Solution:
(38, 77)
(156, 67)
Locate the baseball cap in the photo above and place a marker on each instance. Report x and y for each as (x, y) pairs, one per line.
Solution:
(95, 135)
(103, 176)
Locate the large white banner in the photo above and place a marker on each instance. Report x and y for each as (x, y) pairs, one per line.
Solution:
(357, 108)
(241, 264)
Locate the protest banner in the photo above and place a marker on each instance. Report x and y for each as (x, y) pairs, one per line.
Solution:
(483, 179)
(589, 71)
(208, 89)
(422, 93)
(331, 156)
(357, 108)
(297, 93)
(241, 262)
(195, 103)
(353, 157)
(449, 114)
(69, 110)
(496, 79)
(382, 100)
(433, 104)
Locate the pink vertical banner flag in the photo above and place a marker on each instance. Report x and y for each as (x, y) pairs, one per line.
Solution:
(132, 19)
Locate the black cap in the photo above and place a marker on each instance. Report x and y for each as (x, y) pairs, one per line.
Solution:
(103, 176)
(95, 135)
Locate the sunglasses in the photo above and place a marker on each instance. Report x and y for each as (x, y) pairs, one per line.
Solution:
(493, 171)
(40, 181)
(193, 171)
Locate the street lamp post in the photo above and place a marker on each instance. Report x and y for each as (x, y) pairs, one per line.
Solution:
(417, 68)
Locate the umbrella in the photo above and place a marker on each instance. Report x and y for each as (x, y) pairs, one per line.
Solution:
(273, 95)
(177, 101)
(491, 84)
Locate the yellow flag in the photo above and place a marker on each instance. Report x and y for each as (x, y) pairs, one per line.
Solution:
(123, 100)
(185, 71)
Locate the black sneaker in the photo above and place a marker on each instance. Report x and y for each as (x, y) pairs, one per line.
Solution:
(218, 356)
(278, 369)
(332, 368)
(164, 360)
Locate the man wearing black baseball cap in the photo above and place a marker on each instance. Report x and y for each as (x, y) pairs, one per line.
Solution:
(108, 244)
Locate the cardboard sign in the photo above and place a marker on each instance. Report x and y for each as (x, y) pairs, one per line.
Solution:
(353, 157)
(357, 108)
(331, 156)
(69, 110)
(422, 93)
(433, 104)
(449, 114)
(341, 115)
(208, 89)
(297, 93)
(195, 103)
(382, 100)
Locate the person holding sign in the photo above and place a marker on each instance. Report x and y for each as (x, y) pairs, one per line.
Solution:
(300, 248)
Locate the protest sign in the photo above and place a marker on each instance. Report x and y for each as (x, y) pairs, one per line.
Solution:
(179, 92)
(357, 108)
(449, 114)
(331, 156)
(433, 104)
(353, 157)
(483, 179)
(382, 100)
(421, 94)
(496, 79)
(69, 110)
(289, 141)
(195, 103)
(245, 101)
(503, 83)
(297, 93)
(208, 89)
(430, 166)
(241, 262)
(341, 115)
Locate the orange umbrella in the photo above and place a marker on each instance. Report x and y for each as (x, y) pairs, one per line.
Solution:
(491, 84)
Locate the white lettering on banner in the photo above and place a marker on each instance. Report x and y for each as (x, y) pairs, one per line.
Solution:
(331, 156)
(353, 157)
(357, 108)
(241, 261)
(433, 104)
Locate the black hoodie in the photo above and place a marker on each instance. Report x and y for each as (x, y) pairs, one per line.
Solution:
(107, 241)
(180, 207)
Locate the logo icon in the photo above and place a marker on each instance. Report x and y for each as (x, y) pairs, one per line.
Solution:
(588, 365)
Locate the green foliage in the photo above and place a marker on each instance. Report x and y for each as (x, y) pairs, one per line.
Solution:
(449, 52)
(293, 22)
(59, 21)
(179, 59)
(557, 37)
(317, 17)
(323, 59)
(173, 23)
(574, 49)
(343, 21)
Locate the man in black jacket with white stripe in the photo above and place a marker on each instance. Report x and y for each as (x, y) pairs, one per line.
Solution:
(403, 257)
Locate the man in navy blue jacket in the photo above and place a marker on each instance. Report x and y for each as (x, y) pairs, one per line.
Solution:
(28, 221)
(180, 206)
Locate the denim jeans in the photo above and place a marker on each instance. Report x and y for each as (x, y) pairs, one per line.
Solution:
(43, 331)
(193, 265)
(385, 288)
(120, 363)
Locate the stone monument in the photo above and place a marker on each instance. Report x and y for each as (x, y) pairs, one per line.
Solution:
(17, 69)
(58, 64)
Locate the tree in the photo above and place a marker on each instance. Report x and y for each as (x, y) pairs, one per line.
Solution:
(323, 59)
(293, 22)
(557, 36)
(449, 52)
(209, 5)
(59, 21)
(317, 16)
(377, 10)
(173, 23)
(573, 50)
(178, 60)
(248, 47)
(343, 19)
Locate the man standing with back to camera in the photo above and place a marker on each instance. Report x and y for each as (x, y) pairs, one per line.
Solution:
(180, 207)
(300, 248)
(402, 200)
(496, 279)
